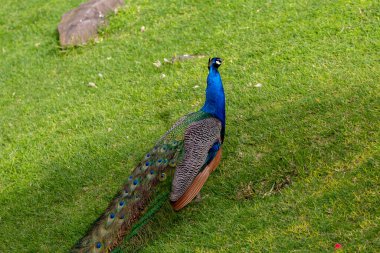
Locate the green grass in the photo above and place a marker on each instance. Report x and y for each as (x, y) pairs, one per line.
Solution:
(300, 169)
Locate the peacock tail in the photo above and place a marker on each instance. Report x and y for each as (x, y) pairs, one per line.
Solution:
(144, 185)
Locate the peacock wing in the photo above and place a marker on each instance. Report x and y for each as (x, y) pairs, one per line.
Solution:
(199, 139)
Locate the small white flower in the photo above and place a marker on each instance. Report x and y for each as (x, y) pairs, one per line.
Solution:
(109, 129)
(258, 85)
(167, 61)
(196, 87)
(109, 58)
(142, 29)
(100, 75)
(163, 76)
(91, 84)
(157, 63)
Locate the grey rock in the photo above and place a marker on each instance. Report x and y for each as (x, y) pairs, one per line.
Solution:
(81, 24)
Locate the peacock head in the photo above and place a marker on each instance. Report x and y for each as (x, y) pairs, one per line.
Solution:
(214, 62)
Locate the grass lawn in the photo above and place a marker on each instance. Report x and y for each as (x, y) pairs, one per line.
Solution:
(300, 169)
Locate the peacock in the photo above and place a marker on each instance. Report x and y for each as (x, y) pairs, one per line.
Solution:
(185, 156)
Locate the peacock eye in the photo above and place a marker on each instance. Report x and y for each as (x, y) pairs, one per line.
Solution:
(98, 245)
(162, 177)
(130, 177)
(151, 172)
(147, 164)
(122, 216)
(135, 182)
(121, 203)
(172, 163)
(112, 215)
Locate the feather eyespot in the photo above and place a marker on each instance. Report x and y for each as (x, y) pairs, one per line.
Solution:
(135, 182)
(172, 163)
(112, 215)
(162, 177)
(151, 175)
(121, 203)
(125, 194)
(98, 245)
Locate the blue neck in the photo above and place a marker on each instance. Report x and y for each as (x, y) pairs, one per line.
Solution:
(215, 101)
